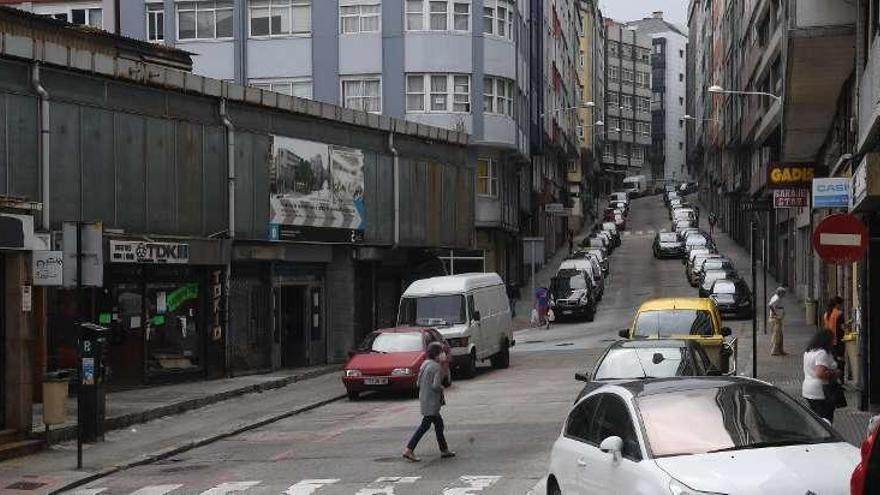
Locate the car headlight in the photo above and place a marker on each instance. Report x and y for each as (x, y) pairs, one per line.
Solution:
(353, 373)
(458, 342)
(401, 372)
(678, 488)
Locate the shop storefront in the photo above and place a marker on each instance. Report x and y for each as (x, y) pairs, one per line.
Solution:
(163, 304)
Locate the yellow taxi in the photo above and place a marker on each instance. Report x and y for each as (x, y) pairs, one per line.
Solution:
(690, 318)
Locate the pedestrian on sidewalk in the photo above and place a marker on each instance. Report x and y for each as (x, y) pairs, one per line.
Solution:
(513, 295)
(712, 220)
(542, 304)
(431, 399)
(776, 318)
(820, 370)
(834, 324)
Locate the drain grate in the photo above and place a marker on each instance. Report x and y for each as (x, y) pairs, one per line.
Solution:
(25, 485)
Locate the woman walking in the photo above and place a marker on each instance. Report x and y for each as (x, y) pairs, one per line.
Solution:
(431, 399)
(835, 326)
(820, 370)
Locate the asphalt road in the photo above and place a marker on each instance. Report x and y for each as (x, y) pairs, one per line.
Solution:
(502, 423)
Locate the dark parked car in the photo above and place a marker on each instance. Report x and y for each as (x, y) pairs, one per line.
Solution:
(573, 295)
(668, 245)
(712, 263)
(708, 278)
(611, 228)
(635, 359)
(733, 298)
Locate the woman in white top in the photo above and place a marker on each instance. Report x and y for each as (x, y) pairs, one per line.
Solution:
(819, 369)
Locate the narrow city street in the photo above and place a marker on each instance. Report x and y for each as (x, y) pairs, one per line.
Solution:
(501, 424)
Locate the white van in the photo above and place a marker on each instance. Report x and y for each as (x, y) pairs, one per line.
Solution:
(472, 312)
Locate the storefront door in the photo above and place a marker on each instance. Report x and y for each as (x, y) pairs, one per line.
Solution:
(294, 325)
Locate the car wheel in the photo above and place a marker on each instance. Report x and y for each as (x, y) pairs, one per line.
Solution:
(501, 360)
(353, 395)
(469, 370)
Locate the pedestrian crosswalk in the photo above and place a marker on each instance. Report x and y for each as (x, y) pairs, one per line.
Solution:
(385, 485)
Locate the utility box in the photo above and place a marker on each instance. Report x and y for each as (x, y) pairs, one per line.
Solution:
(91, 399)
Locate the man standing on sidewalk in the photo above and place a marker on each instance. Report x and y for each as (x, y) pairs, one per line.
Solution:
(777, 315)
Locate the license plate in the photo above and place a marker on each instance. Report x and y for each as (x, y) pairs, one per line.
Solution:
(567, 312)
(376, 381)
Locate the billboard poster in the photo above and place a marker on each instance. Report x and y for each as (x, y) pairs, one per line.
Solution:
(316, 191)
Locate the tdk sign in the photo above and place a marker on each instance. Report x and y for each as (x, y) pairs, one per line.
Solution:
(831, 193)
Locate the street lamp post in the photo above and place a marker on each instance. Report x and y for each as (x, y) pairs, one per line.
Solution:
(716, 89)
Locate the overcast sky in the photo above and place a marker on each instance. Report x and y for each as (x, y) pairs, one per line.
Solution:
(631, 10)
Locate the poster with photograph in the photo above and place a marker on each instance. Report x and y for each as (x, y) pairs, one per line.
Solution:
(316, 191)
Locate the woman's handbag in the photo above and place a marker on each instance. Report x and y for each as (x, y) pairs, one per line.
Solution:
(833, 391)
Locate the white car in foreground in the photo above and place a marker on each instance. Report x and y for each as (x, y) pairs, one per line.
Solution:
(697, 436)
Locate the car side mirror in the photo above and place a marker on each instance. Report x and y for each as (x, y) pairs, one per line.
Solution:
(582, 377)
(726, 332)
(476, 316)
(624, 334)
(612, 445)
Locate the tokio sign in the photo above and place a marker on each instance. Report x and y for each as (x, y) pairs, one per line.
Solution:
(791, 198)
(833, 192)
(48, 268)
(840, 239)
(149, 252)
(790, 175)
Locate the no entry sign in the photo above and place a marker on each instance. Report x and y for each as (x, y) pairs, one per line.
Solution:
(840, 239)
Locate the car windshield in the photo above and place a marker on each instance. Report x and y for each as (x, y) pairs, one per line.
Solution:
(432, 310)
(669, 322)
(711, 276)
(696, 240)
(668, 237)
(716, 265)
(568, 282)
(624, 363)
(724, 287)
(732, 417)
(393, 342)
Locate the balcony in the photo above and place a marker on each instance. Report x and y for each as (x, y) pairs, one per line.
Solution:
(820, 59)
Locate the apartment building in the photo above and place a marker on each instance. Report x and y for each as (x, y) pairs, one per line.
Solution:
(627, 129)
(584, 177)
(668, 88)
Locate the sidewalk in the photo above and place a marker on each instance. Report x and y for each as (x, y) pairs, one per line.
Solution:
(786, 372)
(129, 407)
(215, 410)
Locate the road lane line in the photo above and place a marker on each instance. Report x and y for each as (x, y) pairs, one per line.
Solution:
(234, 487)
(156, 490)
(308, 487)
(388, 487)
(89, 491)
(475, 484)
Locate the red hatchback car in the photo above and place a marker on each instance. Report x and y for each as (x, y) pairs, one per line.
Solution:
(390, 359)
(866, 477)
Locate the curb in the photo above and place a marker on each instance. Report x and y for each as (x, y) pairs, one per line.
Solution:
(68, 433)
(193, 444)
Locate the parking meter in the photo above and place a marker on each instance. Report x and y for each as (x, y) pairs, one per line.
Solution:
(92, 387)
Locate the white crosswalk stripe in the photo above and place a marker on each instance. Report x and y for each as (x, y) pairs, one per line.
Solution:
(156, 490)
(308, 487)
(233, 487)
(475, 484)
(386, 485)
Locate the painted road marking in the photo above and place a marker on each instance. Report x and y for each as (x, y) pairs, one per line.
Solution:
(308, 487)
(387, 483)
(233, 487)
(475, 484)
(90, 491)
(156, 490)
(840, 239)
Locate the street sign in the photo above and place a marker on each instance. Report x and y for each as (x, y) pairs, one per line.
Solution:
(832, 192)
(791, 198)
(840, 239)
(786, 175)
